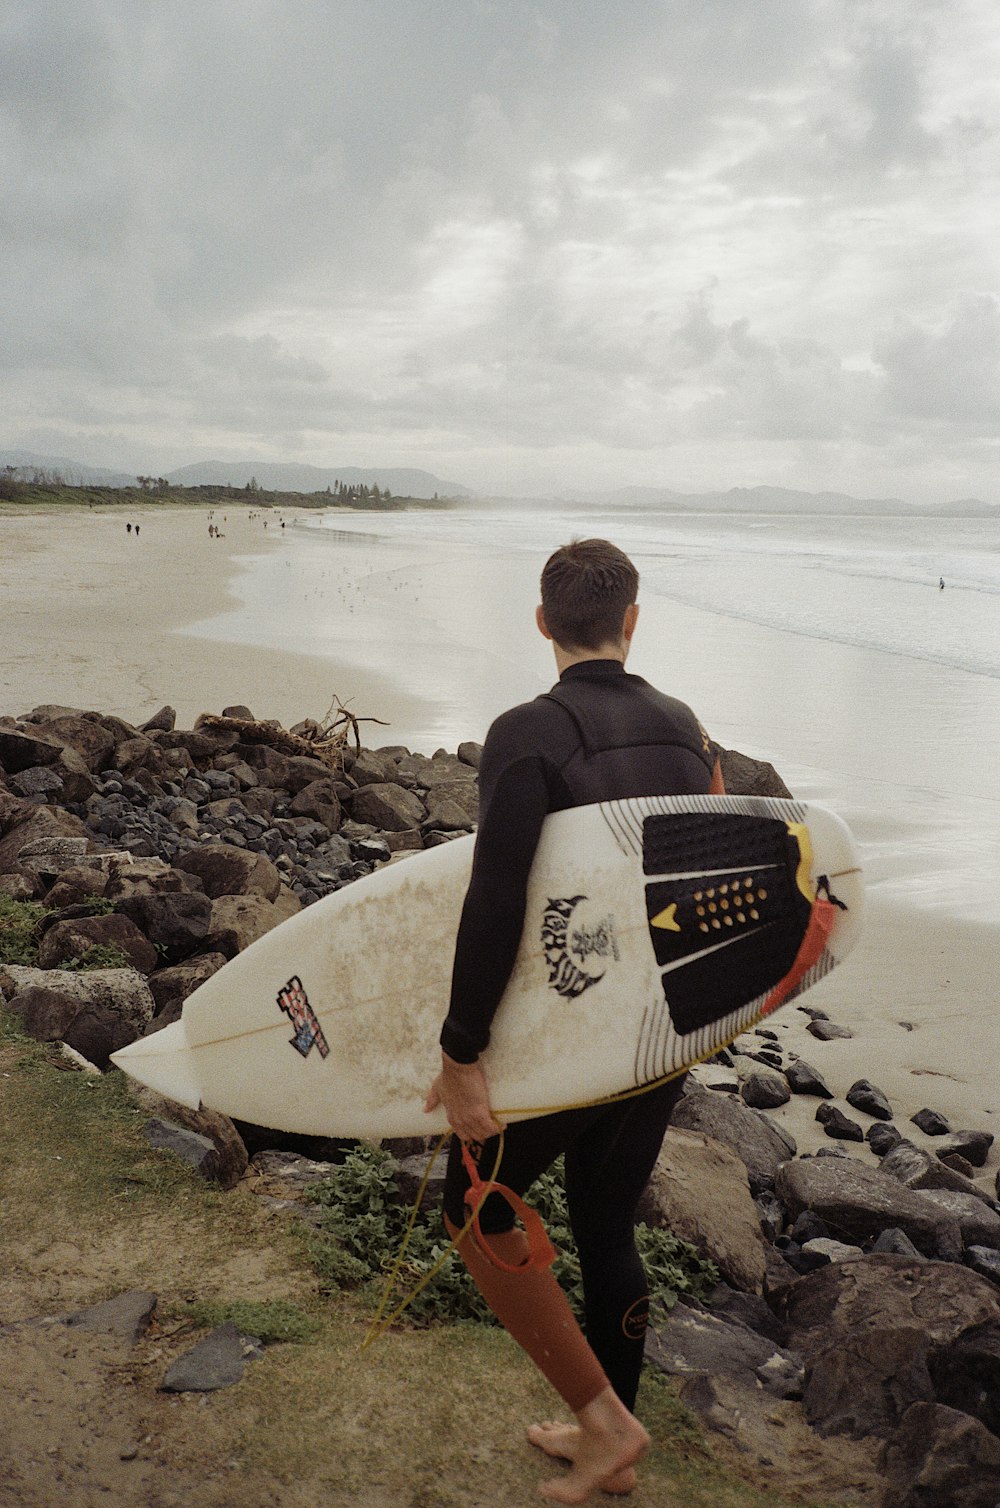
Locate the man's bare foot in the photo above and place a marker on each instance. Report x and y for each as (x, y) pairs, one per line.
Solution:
(609, 1441)
(563, 1442)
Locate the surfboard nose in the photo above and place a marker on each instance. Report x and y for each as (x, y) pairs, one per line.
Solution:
(163, 1062)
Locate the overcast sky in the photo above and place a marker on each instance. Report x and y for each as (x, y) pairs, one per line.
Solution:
(530, 246)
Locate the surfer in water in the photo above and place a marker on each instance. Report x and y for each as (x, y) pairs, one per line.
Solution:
(600, 734)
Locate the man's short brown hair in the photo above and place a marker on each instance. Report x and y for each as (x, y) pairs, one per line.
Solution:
(586, 588)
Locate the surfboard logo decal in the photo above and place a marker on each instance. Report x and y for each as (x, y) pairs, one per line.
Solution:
(294, 1002)
(569, 950)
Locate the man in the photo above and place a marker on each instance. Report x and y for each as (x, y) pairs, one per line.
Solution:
(600, 734)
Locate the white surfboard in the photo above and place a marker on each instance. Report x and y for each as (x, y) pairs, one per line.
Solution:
(655, 930)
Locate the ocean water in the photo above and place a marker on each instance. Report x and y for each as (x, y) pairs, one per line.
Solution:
(822, 644)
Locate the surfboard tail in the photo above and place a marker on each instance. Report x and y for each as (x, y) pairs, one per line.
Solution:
(163, 1062)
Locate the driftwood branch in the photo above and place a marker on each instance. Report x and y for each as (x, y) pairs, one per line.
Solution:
(325, 741)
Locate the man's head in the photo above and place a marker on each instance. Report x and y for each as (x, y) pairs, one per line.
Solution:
(588, 597)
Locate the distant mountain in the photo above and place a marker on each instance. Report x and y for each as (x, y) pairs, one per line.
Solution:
(286, 476)
(275, 476)
(782, 500)
(72, 472)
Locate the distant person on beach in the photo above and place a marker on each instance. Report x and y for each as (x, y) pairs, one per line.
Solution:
(941, 584)
(639, 742)
(137, 531)
(128, 528)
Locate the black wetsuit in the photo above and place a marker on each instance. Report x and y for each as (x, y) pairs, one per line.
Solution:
(600, 734)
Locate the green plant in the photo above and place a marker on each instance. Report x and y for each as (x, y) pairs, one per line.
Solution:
(363, 1223)
(98, 956)
(18, 921)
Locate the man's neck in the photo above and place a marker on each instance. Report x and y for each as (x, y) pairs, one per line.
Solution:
(567, 657)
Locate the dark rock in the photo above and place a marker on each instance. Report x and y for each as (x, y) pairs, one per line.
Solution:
(170, 987)
(882, 1138)
(18, 887)
(765, 1090)
(864, 1096)
(931, 1123)
(897, 1243)
(387, 806)
(303, 771)
(24, 750)
(985, 1260)
(77, 885)
(743, 1130)
(128, 1315)
(319, 800)
(940, 1458)
(972, 1145)
(863, 1385)
(372, 768)
(689, 1340)
(827, 1031)
(96, 1012)
(445, 815)
(36, 783)
(919, 1170)
(216, 1362)
(410, 1174)
(175, 924)
(751, 1310)
(835, 1123)
(771, 1215)
(831, 1250)
(470, 753)
(72, 939)
(956, 1163)
(164, 721)
(858, 1201)
(46, 837)
(196, 1150)
(808, 1227)
(744, 776)
(966, 1373)
(804, 1080)
(225, 870)
(94, 744)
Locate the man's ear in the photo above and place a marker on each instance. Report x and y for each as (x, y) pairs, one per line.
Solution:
(631, 618)
(543, 627)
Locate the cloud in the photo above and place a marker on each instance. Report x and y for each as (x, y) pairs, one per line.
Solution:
(531, 229)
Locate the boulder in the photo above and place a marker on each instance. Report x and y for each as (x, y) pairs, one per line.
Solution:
(868, 1331)
(76, 885)
(237, 921)
(744, 776)
(827, 1031)
(930, 1122)
(858, 1201)
(864, 1096)
(32, 830)
(692, 1341)
(966, 1373)
(803, 1079)
(699, 1190)
(445, 815)
(72, 939)
(371, 768)
(759, 1146)
(163, 721)
(95, 1012)
(225, 870)
(940, 1458)
(221, 1156)
(218, 1361)
(94, 744)
(302, 771)
(36, 784)
(176, 924)
(319, 800)
(470, 753)
(387, 806)
(972, 1145)
(765, 1089)
(170, 987)
(835, 1123)
(882, 1138)
(916, 1169)
(21, 749)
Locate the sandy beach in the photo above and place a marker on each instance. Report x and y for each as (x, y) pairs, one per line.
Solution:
(94, 617)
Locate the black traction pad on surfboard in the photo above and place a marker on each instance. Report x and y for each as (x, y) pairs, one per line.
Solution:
(726, 915)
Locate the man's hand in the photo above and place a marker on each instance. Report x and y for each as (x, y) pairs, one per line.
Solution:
(461, 1088)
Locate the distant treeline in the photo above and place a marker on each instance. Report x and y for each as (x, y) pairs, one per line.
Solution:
(20, 484)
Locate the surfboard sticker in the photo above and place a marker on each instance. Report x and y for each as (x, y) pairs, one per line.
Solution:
(727, 909)
(293, 1000)
(572, 943)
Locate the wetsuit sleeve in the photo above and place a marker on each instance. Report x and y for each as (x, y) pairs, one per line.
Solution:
(516, 805)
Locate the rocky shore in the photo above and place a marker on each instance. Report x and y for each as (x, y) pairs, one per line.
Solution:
(861, 1284)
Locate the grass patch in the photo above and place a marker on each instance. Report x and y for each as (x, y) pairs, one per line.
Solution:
(18, 923)
(97, 956)
(276, 1321)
